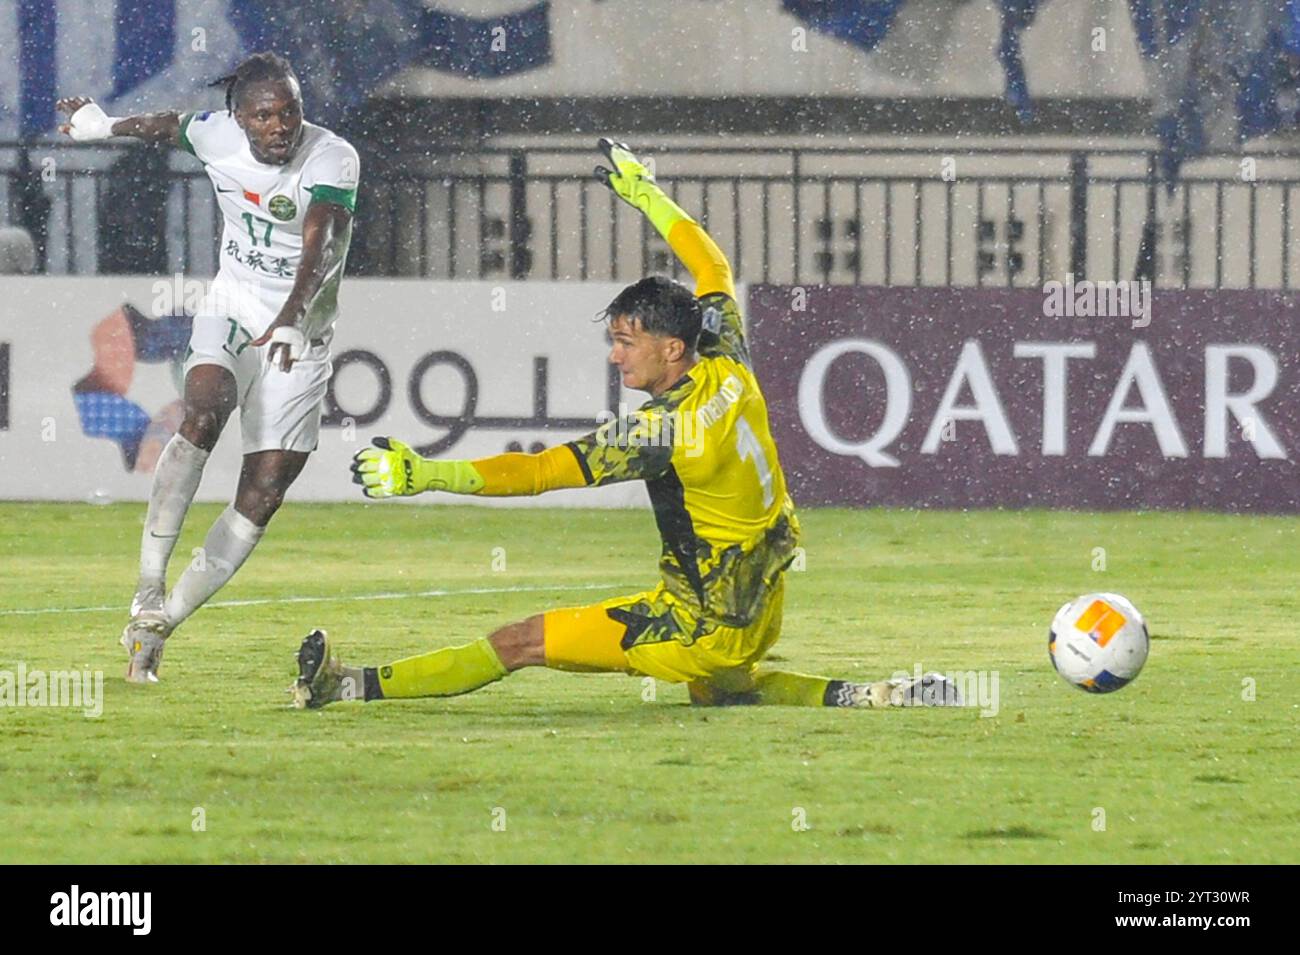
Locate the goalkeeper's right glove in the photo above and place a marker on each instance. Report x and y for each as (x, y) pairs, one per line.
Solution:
(633, 182)
(393, 469)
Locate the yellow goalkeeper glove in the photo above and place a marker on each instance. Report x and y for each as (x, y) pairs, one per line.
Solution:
(393, 469)
(634, 183)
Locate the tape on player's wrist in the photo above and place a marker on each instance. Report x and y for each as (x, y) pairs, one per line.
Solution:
(91, 124)
(292, 337)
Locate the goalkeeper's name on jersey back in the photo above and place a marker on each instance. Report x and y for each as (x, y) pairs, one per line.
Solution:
(681, 427)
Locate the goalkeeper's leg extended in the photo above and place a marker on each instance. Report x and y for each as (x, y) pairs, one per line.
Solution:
(720, 668)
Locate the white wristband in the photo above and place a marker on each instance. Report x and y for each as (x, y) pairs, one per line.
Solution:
(288, 335)
(91, 124)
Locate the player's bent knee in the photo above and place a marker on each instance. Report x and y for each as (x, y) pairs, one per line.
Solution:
(202, 426)
(259, 503)
(520, 644)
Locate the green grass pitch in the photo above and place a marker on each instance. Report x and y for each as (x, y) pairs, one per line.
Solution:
(552, 767)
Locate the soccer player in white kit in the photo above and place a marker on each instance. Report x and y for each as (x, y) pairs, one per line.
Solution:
(286, 189)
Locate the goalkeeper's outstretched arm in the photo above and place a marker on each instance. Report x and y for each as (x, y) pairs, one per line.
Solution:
(392, 469)
(633, 182)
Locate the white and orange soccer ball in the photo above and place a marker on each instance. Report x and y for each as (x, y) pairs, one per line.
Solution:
(1098, 642)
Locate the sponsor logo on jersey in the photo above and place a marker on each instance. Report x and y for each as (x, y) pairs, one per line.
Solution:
(253, 197)
(282, 207)
(712, 320)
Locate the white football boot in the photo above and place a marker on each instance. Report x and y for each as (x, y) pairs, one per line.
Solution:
(143, 637)
(931, 689)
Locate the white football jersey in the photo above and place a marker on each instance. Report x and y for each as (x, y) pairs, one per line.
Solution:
(263, 207)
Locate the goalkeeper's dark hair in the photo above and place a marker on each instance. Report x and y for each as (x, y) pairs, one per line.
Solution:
(662, 306)
(258, 67)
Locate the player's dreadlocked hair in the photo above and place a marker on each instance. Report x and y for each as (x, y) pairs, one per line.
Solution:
(662, 306)
(259, 66)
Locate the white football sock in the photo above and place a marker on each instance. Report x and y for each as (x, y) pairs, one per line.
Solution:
(175, 479)
(231, 539)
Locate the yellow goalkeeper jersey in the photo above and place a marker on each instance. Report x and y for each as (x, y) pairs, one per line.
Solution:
(706, 453)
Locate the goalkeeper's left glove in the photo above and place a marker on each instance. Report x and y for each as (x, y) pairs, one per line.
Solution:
(634, 183)
(393, 469)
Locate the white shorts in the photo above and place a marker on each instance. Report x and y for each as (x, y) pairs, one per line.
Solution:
(278, 410)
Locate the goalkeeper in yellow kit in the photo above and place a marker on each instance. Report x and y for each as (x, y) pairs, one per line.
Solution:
(703, 447)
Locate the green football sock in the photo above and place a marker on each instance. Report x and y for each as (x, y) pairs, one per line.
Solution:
(447, 672)
(780, 688)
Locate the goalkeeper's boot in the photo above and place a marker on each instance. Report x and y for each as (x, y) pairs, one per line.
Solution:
(143, 636)
(320, 674)
(931, 689)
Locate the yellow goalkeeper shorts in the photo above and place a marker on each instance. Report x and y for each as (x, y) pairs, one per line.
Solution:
(652, 634)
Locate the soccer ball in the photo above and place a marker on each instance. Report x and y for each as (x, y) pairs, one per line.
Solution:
(1098, 642)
